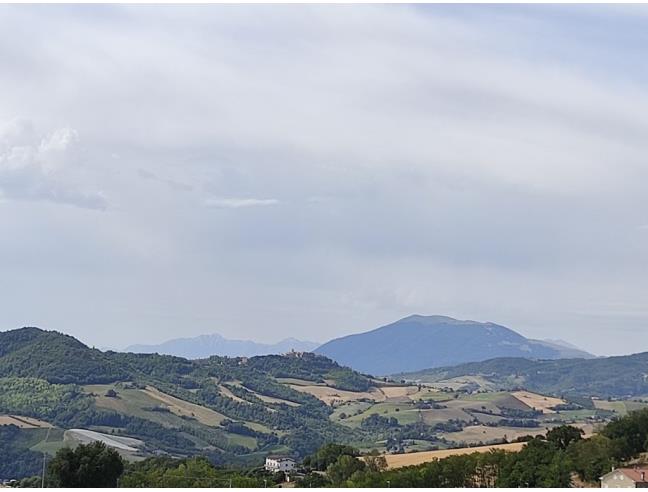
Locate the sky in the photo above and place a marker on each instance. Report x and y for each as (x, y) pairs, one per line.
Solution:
(314, 171)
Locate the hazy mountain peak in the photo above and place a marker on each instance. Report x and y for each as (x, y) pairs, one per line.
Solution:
(203, 346)
(418, 342)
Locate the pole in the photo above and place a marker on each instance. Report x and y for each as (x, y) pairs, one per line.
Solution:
(45, 459)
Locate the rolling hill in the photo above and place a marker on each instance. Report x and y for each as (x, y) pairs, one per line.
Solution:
(233, 410)
(204, 346)
(421, 342)
(620, 377)
(237, 410)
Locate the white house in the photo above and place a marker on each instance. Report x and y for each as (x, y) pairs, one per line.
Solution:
(626, 478)
(279, 464)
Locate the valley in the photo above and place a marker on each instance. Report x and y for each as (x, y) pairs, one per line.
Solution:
(236, 411)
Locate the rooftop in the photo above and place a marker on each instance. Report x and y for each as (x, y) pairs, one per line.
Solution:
(635, 473)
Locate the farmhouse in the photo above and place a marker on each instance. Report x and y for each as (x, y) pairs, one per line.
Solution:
(279, 463)
(626, 478)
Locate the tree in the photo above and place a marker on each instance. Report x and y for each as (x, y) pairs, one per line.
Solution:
(327, 455)
(375, 461)
(89, 465)
(343, 468)
(538, 464)
(313, 480)
(593, 457)
(564, 435)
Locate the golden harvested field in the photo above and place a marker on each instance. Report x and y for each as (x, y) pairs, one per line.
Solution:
(482, 433)
(539, 402)
(225, 391)
(332, 396)
(180, 407)
(398, 391)
(409, 459)
(24, 422)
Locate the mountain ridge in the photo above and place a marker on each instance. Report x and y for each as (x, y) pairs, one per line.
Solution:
(419, 342)
(203, 346)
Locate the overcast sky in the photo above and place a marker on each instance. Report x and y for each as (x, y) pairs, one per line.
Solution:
(272, 171)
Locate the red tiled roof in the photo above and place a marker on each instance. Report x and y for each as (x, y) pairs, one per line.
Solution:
(634, 474)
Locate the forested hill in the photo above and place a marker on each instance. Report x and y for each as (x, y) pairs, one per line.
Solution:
(231, 409)
(620, 376)
(55, 357)
(59, 358)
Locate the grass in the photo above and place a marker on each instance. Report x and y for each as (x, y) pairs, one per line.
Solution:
(350, 409)
(486, 396)
(572, 415)
(136, 402)
(298, 382)
(405, 413)
(34, 439)
(239, 440)
(133, 402)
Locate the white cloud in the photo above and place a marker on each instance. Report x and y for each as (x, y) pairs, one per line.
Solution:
(42, 168)
(239, 202)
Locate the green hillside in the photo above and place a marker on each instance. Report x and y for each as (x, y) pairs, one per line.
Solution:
(620, 377)
(238, 410)
(233, 410)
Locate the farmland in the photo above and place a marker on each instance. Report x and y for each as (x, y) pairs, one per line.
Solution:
(411, 459)
(24, 422)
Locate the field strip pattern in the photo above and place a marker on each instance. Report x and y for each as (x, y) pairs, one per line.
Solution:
(411, 459)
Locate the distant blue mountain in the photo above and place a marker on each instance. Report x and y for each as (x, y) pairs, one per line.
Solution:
(204, 346)
(421, 342)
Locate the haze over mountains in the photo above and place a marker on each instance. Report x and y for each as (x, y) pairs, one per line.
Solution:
(420, 342)
(410, 344)
(204, 346)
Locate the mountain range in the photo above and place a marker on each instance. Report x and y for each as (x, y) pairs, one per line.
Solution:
(420, 342)
(204, 346)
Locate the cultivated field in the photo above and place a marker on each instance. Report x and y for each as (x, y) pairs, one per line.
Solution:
(539, 402)
(24, 422)
(474, 434)
(334, 396)
(141, 402)
(406, 392)
(270, 399)
(225, 391)
(620, 407)
(410, 459)
(84, 436)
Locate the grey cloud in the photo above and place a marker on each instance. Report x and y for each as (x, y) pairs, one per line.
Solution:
(324, 168)
(35, 167)
(240, 202)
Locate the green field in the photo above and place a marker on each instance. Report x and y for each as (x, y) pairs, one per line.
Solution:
(405, 413)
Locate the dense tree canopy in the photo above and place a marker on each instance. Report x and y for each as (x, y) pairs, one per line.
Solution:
(88, 465)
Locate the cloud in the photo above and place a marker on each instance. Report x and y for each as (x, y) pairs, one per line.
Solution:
(239, 202)
(171, 183)
(486, 162)
(42, 168)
